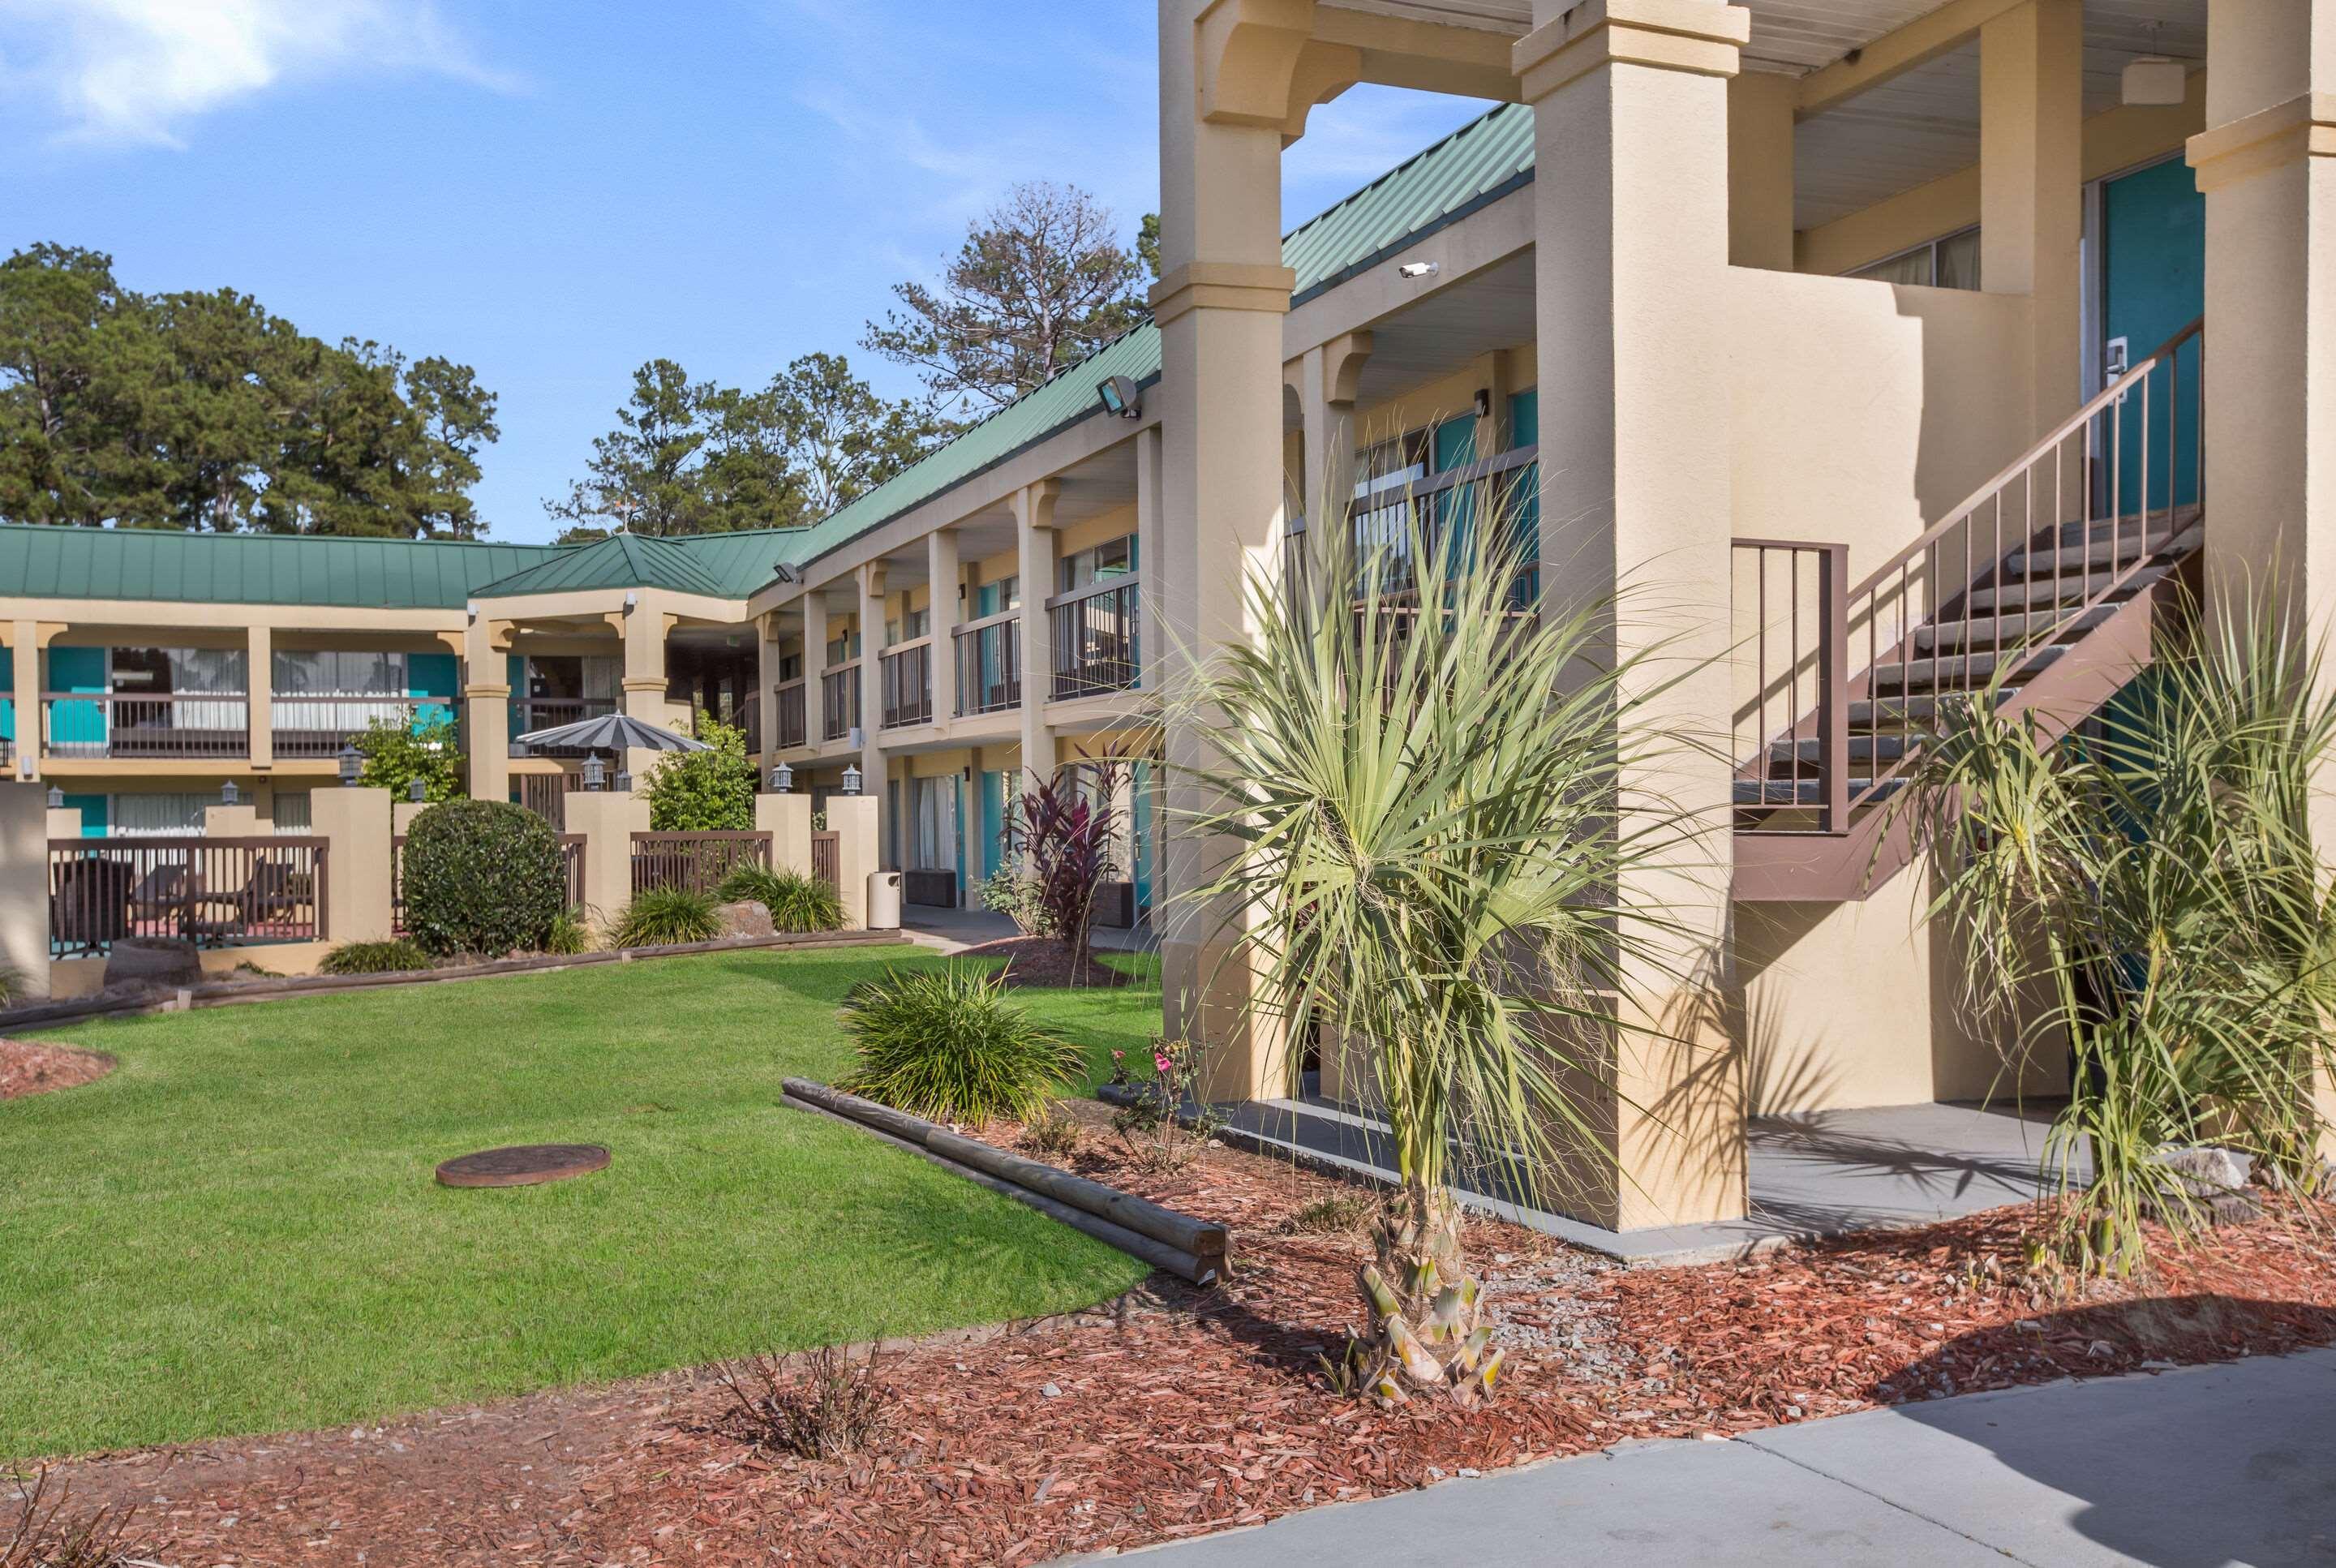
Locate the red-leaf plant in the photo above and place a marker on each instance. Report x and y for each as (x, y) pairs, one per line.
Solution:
(1069, 823)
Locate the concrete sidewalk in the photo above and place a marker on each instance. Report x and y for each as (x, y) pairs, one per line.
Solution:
(2194, 1468)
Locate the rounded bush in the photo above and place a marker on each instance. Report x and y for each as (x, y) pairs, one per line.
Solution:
(946, 1044)
(481, 877)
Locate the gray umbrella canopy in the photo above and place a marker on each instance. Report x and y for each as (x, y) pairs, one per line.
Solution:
(612, 732)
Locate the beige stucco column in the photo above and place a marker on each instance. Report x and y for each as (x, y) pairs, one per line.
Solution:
(644, 628)
(1147, 547)
(787, 818)
(1330, 376)
(1034, 536)
(768, 655)
(816, 635)
(2266, 163)
(259, 682)
(872, 765)
(2031, 187)
(854, 820)
(486, 708)
(27, 639)
(357, 825)
(607, 820)
(25, 884)
(1230, 88)
(1631, 253)
(947, 609)
(1760, 169)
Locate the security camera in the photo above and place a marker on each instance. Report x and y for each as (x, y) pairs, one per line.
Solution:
(1420, 268)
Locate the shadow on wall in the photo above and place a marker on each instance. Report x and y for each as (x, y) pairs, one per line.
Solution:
(2157, 1471)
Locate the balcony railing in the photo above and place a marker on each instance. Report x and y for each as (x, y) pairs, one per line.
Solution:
(534, 713)
(838, 702)
(908, 677)
(317, 724)
(789, 700)
(1098, 642)
(989, 665)
(1504, 487)
(181, 725)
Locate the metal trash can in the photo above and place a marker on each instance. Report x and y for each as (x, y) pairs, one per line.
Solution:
(884, 900)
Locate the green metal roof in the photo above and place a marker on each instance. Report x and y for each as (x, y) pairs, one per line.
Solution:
(1479, 163)
(717, 565)
(44, 561)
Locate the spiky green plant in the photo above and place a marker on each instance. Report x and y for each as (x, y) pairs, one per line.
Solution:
(947, 1044)
(373, 957)
(1414, 805)
(666, 917)
(2145, 895)
(568, 934)
(796, 902)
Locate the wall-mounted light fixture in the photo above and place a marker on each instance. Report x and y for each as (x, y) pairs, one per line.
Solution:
(1484, 403)
(1122, 398)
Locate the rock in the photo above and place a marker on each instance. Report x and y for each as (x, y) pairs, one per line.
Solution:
(2216, 1177)
(746, 918)
(160, 962)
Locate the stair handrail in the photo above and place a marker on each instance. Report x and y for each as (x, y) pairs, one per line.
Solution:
(2108, 398)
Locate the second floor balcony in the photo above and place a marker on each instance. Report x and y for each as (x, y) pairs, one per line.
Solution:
(788, 702)
(528, 714)
(107, 725)
(989, 665)
(838, 702)
(1097, 638)
(908, 676)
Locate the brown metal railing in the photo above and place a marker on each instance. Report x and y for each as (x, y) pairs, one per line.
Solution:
(789, 701)
(838, 702)
(989, 665)
(2103, 494)
(181, 725)
(1097, 638)
(211, 891)
(827, 859)
(536, 713)
(698, 861)
(317, 724)
(907, 675)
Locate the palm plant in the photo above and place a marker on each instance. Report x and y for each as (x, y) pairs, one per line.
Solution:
(1415, 815)
(2152, 881)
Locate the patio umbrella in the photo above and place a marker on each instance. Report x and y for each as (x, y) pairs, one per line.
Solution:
(612, 732)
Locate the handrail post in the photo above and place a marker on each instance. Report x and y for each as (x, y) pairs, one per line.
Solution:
(1833, 683)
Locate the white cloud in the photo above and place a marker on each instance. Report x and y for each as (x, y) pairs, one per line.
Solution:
(135, 71)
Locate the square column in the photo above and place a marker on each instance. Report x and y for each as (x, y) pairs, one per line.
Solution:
(944, 607)
(1329, 378)
(871, 677)
(1760, 150)
(1630, 99)
(486, 706)
(1148, 640)
(27, 639)
(357, 825)
(1034, 538)
(259, 687)
(2031, 188)
(816, 635)
(767, 656)
(25, 881)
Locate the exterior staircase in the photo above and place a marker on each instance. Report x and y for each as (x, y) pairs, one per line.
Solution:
(2053, 572)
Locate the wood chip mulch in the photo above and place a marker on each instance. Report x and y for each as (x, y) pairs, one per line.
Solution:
(1042, 961)
(30, 1067)
(1180, 1411)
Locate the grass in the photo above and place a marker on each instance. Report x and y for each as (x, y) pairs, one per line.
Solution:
(237, 1232)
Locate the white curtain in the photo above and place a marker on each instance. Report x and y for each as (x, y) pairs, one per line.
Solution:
(603, 678)
(157, 814)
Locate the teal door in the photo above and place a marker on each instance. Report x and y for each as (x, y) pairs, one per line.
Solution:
(1455, 447)
(430, 682)
(1521, 494)
(993, 823)
(2152, 285)
(1140, 776)
(80, 726)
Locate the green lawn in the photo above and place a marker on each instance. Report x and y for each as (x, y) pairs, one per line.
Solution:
(237, 1232)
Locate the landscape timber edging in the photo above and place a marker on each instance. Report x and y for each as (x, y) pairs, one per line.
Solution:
(220, 994)
(1193, 1250)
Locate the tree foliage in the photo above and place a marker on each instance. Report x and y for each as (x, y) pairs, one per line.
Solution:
(395, 753)
(1041, 281)
(696, 457)
(711, 791)
(203, 411)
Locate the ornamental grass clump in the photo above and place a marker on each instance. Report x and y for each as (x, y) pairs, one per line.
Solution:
(797, 904)
(668, 917)
(481, 877)
(2146, 897)
(373, 957)
(1427, 826)
(946, 1044)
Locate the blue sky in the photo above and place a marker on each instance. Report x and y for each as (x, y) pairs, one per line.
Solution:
(554, 191)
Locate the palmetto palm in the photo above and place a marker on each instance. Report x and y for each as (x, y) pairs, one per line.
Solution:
(2154, 880)
(1412, 826)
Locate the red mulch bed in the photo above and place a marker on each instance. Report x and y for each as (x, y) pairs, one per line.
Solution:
(30, 1067)
(1043, 962)
(1182, 1411)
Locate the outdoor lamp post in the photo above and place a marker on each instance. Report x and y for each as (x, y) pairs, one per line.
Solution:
(851, 780)
(782, 780)
(228, 794)
(595, 771)
(417, 790)
(623, 782)
(56, 799)
(351, 765)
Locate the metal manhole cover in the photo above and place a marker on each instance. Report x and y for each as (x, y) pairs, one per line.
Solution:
(523, 1166)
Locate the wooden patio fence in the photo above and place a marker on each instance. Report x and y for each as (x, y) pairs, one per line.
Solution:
(212, 891)
(698, 861)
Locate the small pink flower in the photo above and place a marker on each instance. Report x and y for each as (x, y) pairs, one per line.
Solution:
(1119, 1055)
(1160, 1060)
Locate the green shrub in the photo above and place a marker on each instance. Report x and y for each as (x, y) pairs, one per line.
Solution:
(699, 792)
(396, 754)
(568, 935)
(375, 958)
(481, 877)
(947, 1044)
(796, 902)
(11, 984)
(666, 917)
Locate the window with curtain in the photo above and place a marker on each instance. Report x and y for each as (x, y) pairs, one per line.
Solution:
(326, 672)
(1949, 261)
(1086, 568)
(932, 824)
(161, 671)
(290, 812)
(167, 814)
